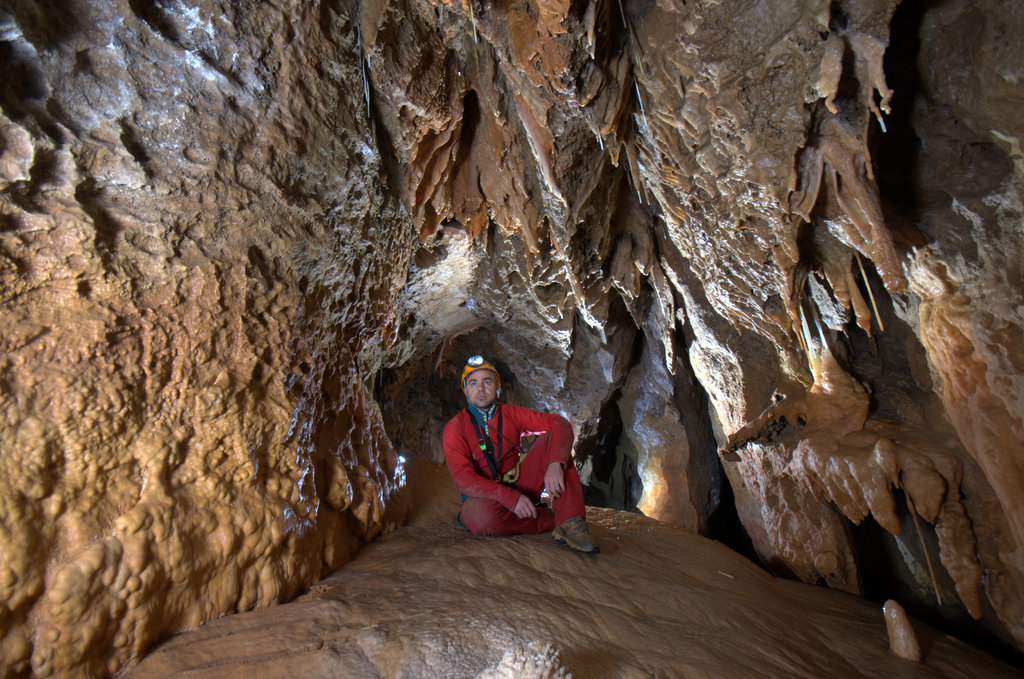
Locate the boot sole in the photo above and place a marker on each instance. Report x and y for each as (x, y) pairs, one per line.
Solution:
(562, 541)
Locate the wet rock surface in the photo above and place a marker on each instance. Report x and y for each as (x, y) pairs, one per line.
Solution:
(767, 261)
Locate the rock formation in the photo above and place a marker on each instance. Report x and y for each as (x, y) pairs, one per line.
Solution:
(766, 258)
(658, 601)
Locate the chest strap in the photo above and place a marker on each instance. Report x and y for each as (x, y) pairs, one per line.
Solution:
(487, 446)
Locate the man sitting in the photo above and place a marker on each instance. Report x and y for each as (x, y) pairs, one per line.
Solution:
(501, 485)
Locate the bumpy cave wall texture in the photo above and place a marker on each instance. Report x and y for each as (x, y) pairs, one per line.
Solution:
(766, 256)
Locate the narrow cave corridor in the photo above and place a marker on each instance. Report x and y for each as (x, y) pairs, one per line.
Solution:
(764, 257)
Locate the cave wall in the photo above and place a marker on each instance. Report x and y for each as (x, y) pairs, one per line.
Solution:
(184, 430)
(244, 251)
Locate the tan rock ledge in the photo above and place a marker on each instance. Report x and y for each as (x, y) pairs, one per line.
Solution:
(429, 600)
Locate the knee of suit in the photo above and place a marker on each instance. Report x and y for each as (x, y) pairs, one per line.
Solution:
(481, 516)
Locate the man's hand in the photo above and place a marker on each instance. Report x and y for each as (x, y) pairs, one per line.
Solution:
(554, 479)
(524, 509)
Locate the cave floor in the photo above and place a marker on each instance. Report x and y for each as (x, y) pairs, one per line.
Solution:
(429, 600)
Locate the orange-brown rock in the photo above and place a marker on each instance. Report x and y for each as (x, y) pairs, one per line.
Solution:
(657, 601)
(765, 257)
(184, 432)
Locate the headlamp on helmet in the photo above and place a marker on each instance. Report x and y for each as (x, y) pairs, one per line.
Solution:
(474, 363)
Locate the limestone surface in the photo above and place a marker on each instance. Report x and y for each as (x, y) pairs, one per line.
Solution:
(183, 431)
(431, 600)
(765, 256)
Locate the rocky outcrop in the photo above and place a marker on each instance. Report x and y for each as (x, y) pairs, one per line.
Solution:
(768, 254)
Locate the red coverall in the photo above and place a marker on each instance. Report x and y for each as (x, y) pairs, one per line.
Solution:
(488, 509)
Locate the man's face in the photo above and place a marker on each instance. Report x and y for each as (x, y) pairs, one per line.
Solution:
(481, 388)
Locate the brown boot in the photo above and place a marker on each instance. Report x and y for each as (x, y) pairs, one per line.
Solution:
(573, 533)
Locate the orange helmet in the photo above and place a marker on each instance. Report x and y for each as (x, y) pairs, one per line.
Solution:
(474, 363)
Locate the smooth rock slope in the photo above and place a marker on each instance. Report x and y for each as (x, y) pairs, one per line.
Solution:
(429, 600)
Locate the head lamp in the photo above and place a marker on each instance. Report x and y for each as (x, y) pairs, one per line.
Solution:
(474, 363)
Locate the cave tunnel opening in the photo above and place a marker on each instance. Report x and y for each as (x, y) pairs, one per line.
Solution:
(418, 397)
(609, 474)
